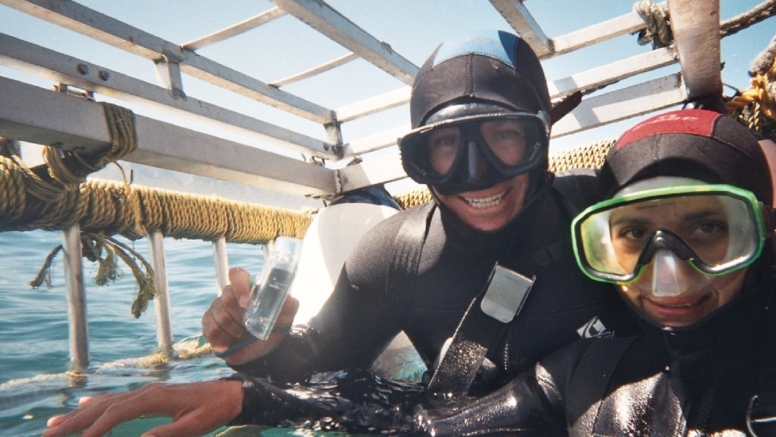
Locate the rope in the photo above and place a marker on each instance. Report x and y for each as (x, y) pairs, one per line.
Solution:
(756, 107)
(759, 13)
(764, 62)
(589, 156)
(121, 126)
(658, 30)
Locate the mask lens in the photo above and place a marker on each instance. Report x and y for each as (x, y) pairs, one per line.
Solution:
(507, 140)
(453, 151)
(717, 232)
(442, 148)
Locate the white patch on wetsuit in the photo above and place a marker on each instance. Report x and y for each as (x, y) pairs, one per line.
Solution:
(594, 328)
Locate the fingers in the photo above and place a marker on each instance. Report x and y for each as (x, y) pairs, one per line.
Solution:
(222, 323)
(224, 403)
(240, 288)
(196, 408)
(100, 414)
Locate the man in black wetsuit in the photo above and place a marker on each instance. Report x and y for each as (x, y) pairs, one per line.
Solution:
(480, 112)
(687, 236)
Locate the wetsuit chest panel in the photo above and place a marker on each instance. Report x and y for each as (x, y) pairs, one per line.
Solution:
(449, 277)
(559, 309)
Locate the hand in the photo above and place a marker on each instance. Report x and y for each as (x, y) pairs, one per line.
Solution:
(196, 409)
(222, 323)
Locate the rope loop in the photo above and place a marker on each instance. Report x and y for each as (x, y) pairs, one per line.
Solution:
(658, 31)
(70, 167)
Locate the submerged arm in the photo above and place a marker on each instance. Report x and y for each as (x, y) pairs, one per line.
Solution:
(520, 408)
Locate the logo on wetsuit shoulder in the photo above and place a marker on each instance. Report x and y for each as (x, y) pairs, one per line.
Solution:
(594, 328)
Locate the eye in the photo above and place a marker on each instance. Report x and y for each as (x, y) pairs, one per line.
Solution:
(445, 137)
(712, 227)
(632, 233)
(508, 134)
(447, 141)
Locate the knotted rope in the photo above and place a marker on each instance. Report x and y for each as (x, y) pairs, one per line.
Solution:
(756, 107)
(658, 21)
(658, 30)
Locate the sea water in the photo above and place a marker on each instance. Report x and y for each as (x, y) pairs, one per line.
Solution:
(34, 350)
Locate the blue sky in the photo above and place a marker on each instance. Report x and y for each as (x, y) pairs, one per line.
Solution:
(412, 28)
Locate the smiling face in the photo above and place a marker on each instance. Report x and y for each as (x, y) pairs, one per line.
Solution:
(700, 222)
(491, 208)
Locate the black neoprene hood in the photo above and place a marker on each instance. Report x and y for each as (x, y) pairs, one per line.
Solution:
(488, 67)
(693, 143)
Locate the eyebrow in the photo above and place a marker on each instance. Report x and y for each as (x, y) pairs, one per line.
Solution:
(704, 213)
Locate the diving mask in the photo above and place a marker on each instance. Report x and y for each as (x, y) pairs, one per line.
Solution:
(717, 229)
(475, 152)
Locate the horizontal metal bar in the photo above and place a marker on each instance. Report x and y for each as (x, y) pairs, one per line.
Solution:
(37, 115)
(696, 31)
(58, 67)
(342, 60)
(372, 105)
(515, 13)
(605, 30)
(237, 29)
(621, 104)
(332, 24)
(375, 142)
(383, 169)
(78, 18)
(521, 20)
(586, 80)
(611, 73)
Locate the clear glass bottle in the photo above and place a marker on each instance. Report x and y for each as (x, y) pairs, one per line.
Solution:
(270, 290)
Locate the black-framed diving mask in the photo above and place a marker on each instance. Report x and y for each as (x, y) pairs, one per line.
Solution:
(717, 229)
(475, 152)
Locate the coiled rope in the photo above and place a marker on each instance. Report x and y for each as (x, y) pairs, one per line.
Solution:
(62, 197)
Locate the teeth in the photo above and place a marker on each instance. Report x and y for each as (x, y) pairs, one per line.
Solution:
(485, 202)
(682, 305)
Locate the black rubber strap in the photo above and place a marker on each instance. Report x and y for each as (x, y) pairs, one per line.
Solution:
(476, 334)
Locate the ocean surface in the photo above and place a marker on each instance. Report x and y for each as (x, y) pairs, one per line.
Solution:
(34, 350)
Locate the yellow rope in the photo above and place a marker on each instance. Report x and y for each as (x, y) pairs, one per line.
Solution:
(589, 156)
(759, 93)
(756, 107)
(111, 208)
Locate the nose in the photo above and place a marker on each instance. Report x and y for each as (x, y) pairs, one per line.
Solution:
(669, 278)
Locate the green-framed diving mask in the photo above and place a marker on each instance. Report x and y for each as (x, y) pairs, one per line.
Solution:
(715, 228)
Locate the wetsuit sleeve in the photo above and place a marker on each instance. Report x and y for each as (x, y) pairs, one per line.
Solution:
(355, 324)
(520, 408)
(533, 404)
(265, 404)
